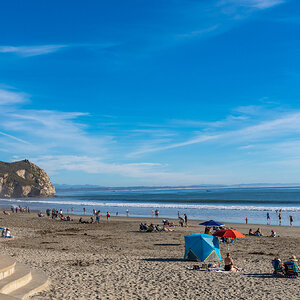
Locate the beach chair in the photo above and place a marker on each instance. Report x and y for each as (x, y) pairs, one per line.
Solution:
(291, 270)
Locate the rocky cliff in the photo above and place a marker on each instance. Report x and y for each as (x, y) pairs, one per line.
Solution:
(24, 179)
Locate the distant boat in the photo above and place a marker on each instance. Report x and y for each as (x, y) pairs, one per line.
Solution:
(208, 191)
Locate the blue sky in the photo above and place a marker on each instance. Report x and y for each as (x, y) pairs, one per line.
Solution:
(121, 93)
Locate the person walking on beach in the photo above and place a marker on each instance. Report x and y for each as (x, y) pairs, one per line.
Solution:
(152, 213)
(156, 213)
(268, 219)
(107, 216)
(291, 221)
(279, 217)
(84, 210)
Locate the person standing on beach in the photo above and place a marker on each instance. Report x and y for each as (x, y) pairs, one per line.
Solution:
(246, 220)
(98, 216)
(152, 213)
(107, 216)
(84, 210)
(268, 219)
(127, 212)
(185, 219)
(291, 221)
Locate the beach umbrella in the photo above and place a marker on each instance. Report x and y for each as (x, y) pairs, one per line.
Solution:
(229, 233)
(211, 223)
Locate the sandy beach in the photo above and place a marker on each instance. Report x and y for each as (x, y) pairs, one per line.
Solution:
(113, 260)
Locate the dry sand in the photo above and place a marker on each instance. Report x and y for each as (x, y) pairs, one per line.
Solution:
(115, 261)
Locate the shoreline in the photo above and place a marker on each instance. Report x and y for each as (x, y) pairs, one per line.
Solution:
(135, 218)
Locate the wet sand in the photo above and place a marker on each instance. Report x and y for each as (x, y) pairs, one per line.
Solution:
(115, 261)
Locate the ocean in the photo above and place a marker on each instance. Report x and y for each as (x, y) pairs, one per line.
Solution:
(220, 204)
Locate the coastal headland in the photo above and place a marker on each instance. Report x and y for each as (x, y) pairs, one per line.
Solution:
(113, 260)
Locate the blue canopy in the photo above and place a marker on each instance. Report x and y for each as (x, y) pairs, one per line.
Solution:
(211, 223)
(202, 247)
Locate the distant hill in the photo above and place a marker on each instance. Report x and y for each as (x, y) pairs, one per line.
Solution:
(24, 179)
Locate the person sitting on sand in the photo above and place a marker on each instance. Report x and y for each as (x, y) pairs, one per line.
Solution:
(141, 227)
(7, 233)
(278, 266)
(251, 232)
(258, 232)
(207, 230)
(181, 221)
(150, 228)
(292, 267)
(40, 215)
(3, 233)
(159, 228)
(273, 233)
(5, 212)
(229, 264)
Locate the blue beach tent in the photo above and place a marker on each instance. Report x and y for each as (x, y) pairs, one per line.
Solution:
(202, 247)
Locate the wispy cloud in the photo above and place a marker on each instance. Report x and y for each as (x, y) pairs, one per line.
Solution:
(13, 137)
(30, 131)
(284, 125)
(198, 33)
(8, 97)
(27, 51)
(143, 173)
(259, 4)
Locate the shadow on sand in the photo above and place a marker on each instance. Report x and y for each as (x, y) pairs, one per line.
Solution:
(260, 275)
(163, 259)
(167, 244)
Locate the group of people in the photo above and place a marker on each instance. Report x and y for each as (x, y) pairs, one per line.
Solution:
(279, 215)
(155, 213)
(183, 221)
(167, 226)
(15, 209)
(258, 232)
(288, 268)
(56, 215)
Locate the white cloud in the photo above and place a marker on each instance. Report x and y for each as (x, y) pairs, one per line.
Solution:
(27, 51)
(145, 173)
(8, 97)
